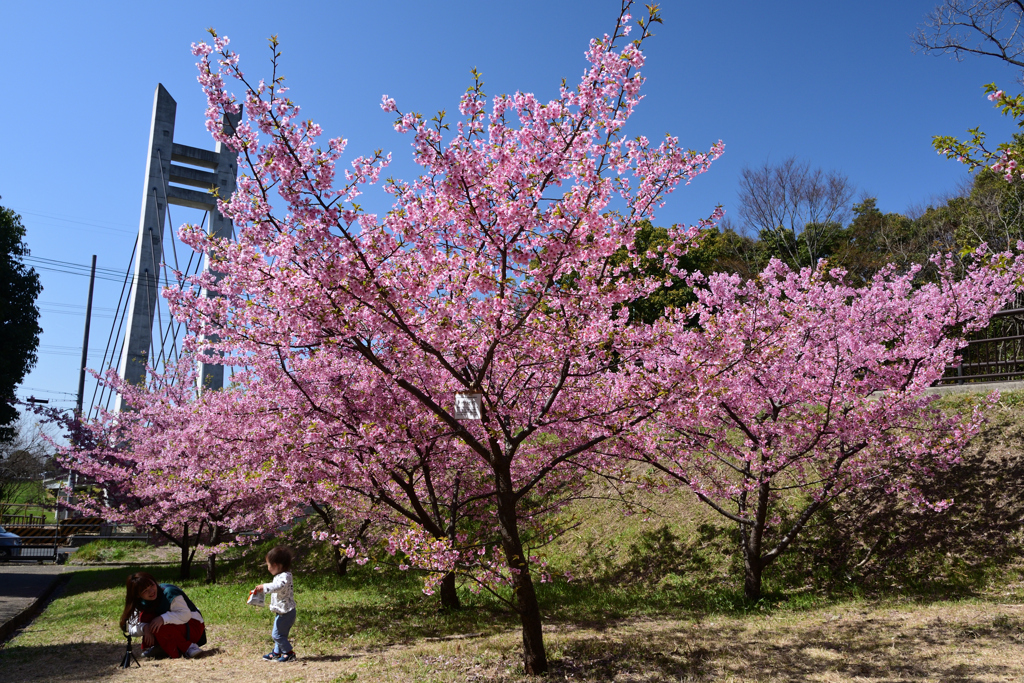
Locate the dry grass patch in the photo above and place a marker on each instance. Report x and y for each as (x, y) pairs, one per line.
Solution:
(128, 552)
(941, 642)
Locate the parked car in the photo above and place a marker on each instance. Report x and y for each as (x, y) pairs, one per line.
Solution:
(10, 545)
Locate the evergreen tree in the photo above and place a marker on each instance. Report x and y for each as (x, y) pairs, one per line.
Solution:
(19, 316)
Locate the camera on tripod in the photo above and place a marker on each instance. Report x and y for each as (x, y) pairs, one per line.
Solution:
(129, 656)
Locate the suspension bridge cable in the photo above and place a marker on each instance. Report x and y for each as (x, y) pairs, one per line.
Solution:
(167, 209)
(154, 358)
(188, 269)
(120, 352)
(166, 355)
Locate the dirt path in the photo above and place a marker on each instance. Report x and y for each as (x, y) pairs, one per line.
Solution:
(968, 642)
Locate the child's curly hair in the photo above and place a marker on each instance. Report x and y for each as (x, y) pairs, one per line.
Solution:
(282, 556)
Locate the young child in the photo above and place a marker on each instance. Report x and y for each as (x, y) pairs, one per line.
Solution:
(282, 603)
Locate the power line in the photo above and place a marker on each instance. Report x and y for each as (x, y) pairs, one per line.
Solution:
(69, 354)
(48, 391)
(62, 400)
(71, 264)
(66, 267)
(59, 347)
(75, 313)
(75, 306)
(71, 272)
(71, 220)
(71, 268)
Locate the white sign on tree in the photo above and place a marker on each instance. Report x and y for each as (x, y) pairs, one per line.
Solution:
(467, 406)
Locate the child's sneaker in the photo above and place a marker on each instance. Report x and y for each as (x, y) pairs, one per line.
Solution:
(286, 657)
(271, 656)
(192, 651)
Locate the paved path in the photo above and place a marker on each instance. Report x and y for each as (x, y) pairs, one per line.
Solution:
(980, 388)
(22, 588)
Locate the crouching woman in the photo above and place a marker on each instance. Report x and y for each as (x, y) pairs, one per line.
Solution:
(163, 616)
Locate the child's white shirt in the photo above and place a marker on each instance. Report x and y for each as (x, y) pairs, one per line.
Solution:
(282, 594)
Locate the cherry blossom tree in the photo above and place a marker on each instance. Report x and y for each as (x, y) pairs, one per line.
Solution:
(1003, 158)
(492, 274)
(309, 430)
(250, 457)
(805, 389)
(371, 463)
(169, 465)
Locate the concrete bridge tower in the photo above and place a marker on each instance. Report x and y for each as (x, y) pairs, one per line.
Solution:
(170, 162)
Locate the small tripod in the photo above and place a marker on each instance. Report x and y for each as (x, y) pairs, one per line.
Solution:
(129, 656)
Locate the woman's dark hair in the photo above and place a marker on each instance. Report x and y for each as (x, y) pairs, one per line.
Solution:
(137, 583)
(282, 556)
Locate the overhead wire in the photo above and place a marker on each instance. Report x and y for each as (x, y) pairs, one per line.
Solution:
(72, 220)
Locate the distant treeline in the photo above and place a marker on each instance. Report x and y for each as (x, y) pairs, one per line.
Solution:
(859, 237)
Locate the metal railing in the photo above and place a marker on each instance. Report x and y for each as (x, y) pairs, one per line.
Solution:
(22, 514)
(22, 520)
(994, 354)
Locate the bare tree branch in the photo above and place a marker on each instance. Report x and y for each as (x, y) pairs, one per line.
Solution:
(975, 27)
(794, 207)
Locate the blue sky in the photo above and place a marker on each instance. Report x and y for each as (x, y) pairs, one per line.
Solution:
(835, 84)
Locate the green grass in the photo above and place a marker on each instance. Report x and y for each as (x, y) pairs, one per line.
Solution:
(677, 561)
(110, 551)
(38, 499)
(368, 610)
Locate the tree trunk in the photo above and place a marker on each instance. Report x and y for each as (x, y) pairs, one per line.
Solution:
(752, 537)
(752, 570)
(211, 568)
(340, 561)
(449, 595)
(753, 565)
(535, 660)
(340, 565)
(185, 571)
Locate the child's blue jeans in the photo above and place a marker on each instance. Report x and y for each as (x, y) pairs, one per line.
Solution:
(282, 625)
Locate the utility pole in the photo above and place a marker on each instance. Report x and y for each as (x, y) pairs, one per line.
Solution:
(85, 340)
(62, 514)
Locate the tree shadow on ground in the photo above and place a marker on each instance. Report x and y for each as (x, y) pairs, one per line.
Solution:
(330, 658)
(78, 662)
(882, 543)
(399, 612)
(662, 573)
(868, 649)
(404, 620)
